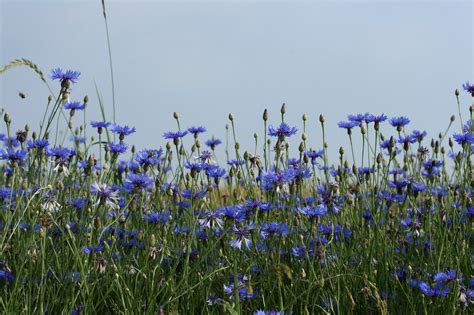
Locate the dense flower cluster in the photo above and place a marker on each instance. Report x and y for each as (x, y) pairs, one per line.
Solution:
(169, 229)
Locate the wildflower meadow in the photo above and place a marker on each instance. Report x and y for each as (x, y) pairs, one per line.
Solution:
(197, 224)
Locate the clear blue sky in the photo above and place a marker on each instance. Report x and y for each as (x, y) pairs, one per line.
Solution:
(205, 59)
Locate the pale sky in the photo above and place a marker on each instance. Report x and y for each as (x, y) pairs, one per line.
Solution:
(205, 59)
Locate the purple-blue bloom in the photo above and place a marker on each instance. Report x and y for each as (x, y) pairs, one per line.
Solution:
(122, 130)
(69, 75)
(136, 182)
(213, 142)
(118, 148)
(75, 106)
(348, 125)
(175, 135)
(282, 131)
(468, 87)
(100, 124)
(463, 139)
(399, 121)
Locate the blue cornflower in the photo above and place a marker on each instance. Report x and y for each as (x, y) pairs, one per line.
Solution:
(468, 87)
(313, 155)
(136, 182)
(359, 118)
(235, 162)
(281, 132)
(242, 235)
(205, 157)
(463, 139)
(100, 124)
(313, 212)
(79, 203)
(215, 172)
(148, 157)
(470, 212)
(399, 122)
(108, 195)
(60, 153)
(194, 167)
(426, 288)
(278, 179)
(213, 142)
(196, 130)
(418, 187)
(406, 140)
(118, 148)
(12, 141)
(69, 75)
(378, 118)
(122, 131)
(6, 275)
(212, 219)
(348, 125)
(301, 173)
(74, 106)
(444, 277)
(175, 135)
(157, 217)
(418, 135)
(38, 144)
(431, 167)
(274, 228)
(13, 155)
(233, 213)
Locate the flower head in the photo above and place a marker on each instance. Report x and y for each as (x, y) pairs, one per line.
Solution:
(100, 124)
(463, 139)
(282, 131)
(137, 182)
(118, 148)
(75, 106)
(399, 122)
(122, 131)
(69, 75)
(213, 142)
(468, 87)
(107, 195)
(175, 135)
(196, 130)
